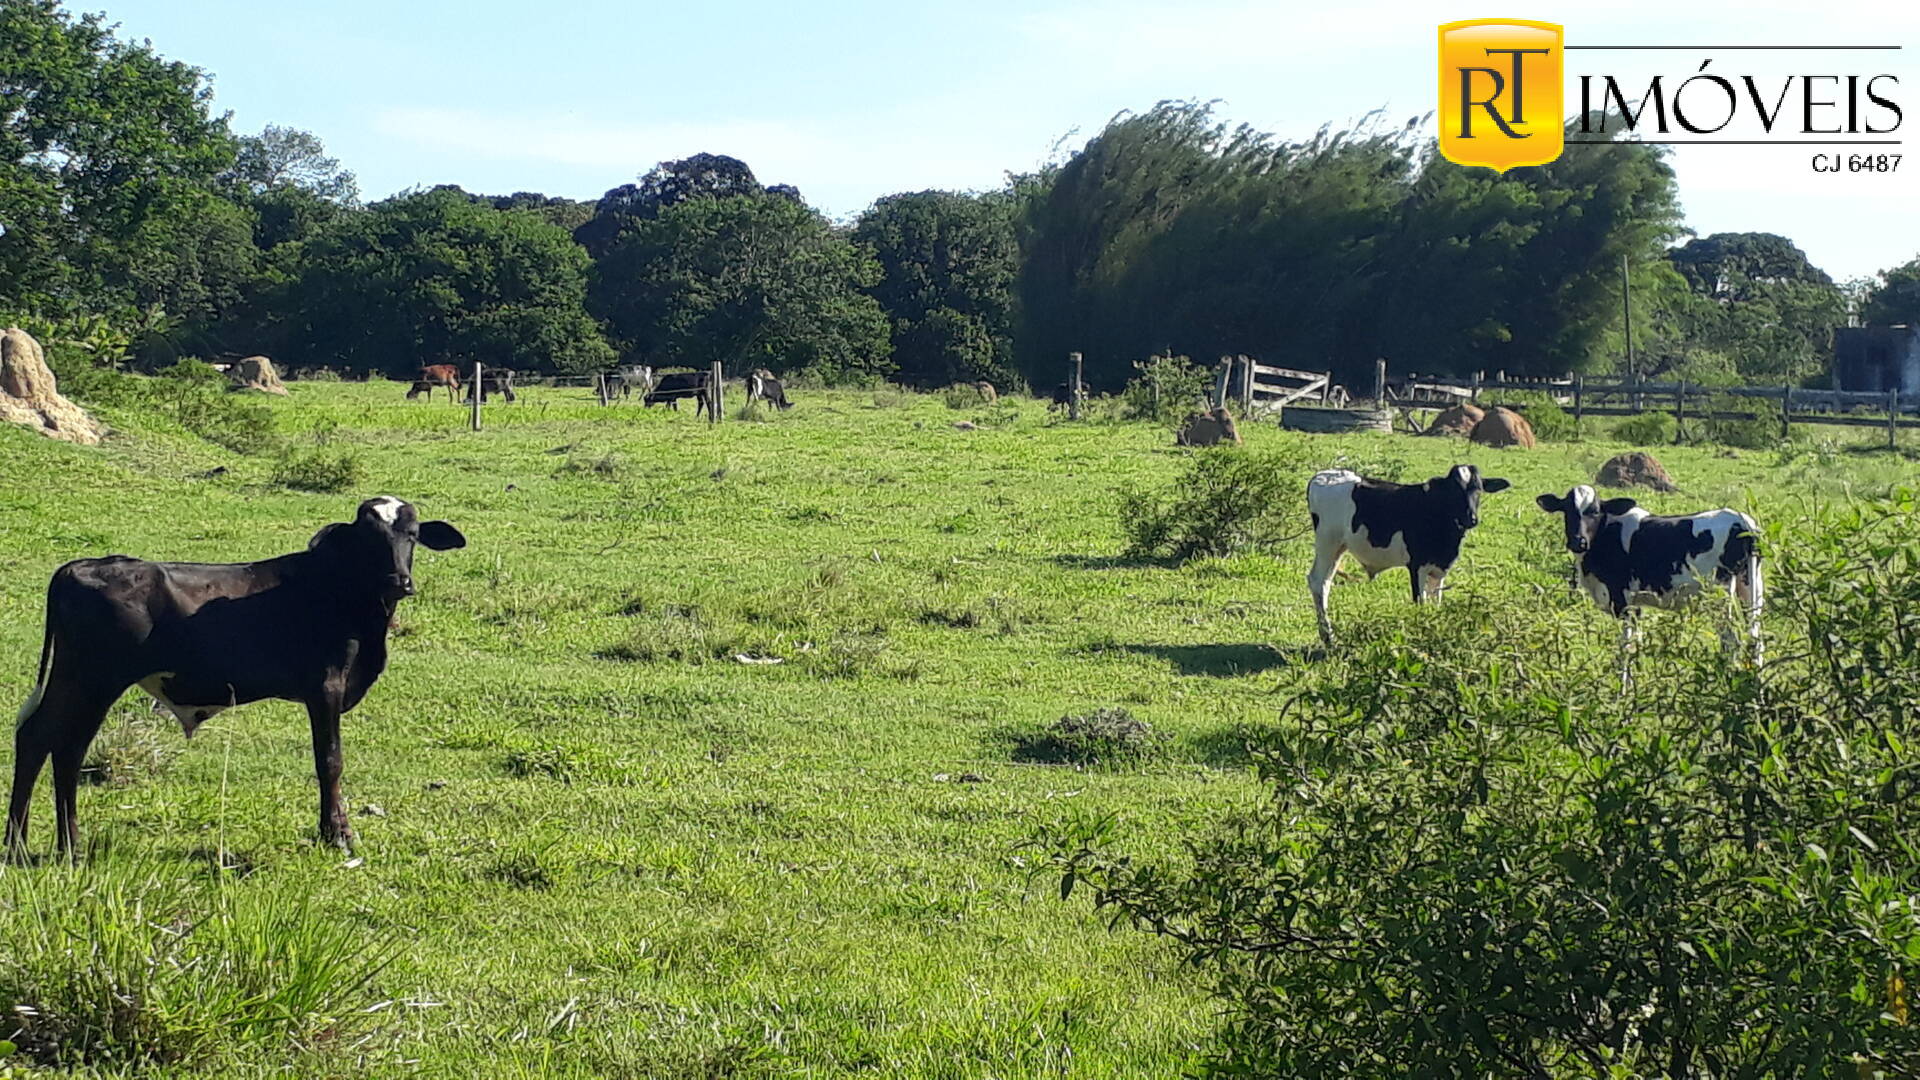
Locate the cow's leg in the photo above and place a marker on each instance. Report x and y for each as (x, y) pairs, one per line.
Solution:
(323, 712)
(1626, 651)
(1436, 581)
(1418, 576)
(1747, 591)
(60, 725)
(1320, 582)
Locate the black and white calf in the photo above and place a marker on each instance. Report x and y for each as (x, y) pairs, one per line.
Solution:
(203, 637)
(762, 386)
(1630, 558)
(1386, 525)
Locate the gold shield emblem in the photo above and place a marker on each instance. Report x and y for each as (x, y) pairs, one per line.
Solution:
(1500, 92)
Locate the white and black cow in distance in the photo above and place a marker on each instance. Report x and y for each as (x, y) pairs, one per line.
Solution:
(1385, 525)
(1629, 558)
(309, 627)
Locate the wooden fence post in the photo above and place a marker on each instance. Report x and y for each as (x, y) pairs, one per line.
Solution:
(717, 401)
(606, 392)
(1679, 410)
(1220, 382)
(476, 395)
(1153, 373)
(1476, 387)
(1074, 367)
(1246, 386)
(1893, 418)
(1380, 383)
(1579, 402)
(1786, 411)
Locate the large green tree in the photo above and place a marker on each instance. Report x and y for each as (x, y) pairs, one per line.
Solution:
(1753, 308)
(703, 175)
(433, 277)
(108, 152)
(947, 268)
(1894, 298)
(748, 280)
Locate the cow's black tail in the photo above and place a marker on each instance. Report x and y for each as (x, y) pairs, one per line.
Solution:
(46, 659)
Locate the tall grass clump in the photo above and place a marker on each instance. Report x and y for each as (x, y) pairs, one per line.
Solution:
(1227, 500)
(1647, 429)
(319, 470)
(1478, 857)
(118, 966)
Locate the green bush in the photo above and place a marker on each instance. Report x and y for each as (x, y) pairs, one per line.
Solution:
(1167, 389)
(1546, 416)
(127, 968)
(190, 392)
(1476, 858)
(1759, 432)
(1647, 429)
(1227, 500)
(320, 470)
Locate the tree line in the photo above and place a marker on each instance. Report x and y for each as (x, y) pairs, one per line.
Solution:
(126, 203)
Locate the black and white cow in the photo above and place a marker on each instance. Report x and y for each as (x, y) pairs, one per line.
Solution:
(762, 386)
(1629, 558)
(1385, 525)
(630, 378)
(203, 637)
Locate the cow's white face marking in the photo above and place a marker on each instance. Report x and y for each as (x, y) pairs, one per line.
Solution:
(1463, 475)
(387, 508)
(1585, 499)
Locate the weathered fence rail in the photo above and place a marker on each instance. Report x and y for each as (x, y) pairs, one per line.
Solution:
(1602, 396)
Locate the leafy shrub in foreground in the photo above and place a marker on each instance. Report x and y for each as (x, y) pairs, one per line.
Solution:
(1478, 858)
(1227, 500)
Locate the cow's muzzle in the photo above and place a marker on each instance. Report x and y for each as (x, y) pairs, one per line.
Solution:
(398, 588)
(1577, 545)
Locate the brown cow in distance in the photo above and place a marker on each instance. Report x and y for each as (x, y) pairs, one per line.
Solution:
(436, 375)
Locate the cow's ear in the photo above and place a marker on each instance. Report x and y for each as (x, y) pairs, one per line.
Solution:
(441, 536)
(1494, 483)
(1617, 506)
(321, 536)
(1551, 503)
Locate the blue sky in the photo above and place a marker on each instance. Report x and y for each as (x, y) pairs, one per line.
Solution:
(854, 99)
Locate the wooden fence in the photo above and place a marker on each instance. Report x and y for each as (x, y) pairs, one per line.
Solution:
(1608, 396)
(1259, 387)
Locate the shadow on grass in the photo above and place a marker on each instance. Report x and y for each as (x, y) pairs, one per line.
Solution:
(1115, 562)
(1228, 747)
(1228, 660)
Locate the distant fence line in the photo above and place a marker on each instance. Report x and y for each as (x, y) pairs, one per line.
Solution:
(1610, 396)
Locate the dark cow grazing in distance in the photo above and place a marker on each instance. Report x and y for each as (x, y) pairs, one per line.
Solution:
(433, 376)
(681, 384)
(309, 627)
(762, 386)
(1629, 558)
(1386, 525)
(1063, 395)
(494, 382)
